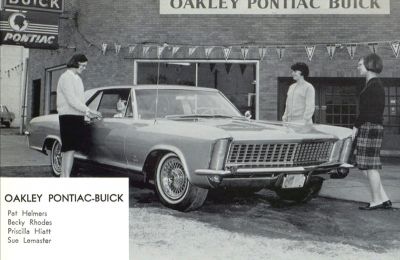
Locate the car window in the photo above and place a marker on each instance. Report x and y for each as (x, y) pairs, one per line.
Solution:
(129, 109)
(113, 102)
(172, 102)
(94, 102)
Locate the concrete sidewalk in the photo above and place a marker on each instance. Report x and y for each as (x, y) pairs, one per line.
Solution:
(14, 152)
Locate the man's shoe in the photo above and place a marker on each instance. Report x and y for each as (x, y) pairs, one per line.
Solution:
(383, 205)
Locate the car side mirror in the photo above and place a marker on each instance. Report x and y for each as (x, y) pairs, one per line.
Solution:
(247, 115)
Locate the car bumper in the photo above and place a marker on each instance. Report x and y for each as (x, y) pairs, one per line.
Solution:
(252, 171)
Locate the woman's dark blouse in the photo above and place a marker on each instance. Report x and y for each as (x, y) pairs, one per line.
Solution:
(372, 103)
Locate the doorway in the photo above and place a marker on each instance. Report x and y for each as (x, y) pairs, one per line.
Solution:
(36, 91)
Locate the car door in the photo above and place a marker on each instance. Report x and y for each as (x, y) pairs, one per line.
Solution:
(107, 136)
(139, 137)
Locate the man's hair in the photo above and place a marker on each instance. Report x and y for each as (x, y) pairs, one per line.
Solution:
(75, 60)
(373, 62)
(302, 67)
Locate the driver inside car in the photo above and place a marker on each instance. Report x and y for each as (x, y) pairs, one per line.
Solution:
(121, 106)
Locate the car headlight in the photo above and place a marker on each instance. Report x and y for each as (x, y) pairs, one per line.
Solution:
(346, 150)
(336, 151)
(219, 154)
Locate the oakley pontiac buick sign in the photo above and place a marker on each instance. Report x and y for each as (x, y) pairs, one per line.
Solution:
(56, 6)
(272, 7)
(32, 30)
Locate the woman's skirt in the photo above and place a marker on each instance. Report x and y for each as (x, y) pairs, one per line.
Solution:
(72, 129)
(368, 146)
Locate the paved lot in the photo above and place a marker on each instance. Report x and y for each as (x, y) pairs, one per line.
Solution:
(258, 226)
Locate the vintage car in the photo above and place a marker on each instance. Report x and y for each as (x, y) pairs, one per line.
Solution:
(6, 117)
(187, 140)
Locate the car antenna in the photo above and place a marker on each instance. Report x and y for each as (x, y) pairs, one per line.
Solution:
(158, 81)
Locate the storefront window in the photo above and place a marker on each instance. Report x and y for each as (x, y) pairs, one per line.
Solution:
(169, 73)
(237, 81)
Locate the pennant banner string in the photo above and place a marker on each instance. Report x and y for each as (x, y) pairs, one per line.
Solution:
(396, 48)
(262, 51)
(192, 50)
(310, 51)
(280, 51)
(175, 49)
(373, 47)
(331, 48)
(351, 48)
(227, 52)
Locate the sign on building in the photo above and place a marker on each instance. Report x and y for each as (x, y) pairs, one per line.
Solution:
(30, 29)
(275, 7)
(56, 6)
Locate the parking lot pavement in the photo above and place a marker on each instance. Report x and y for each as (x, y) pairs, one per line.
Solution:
(15, 152)
(355, 186)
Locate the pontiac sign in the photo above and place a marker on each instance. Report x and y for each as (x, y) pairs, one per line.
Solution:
(56, 6)
(272, 7)
(31, 30)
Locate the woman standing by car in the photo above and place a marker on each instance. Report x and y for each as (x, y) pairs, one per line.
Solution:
(72, 109)
(300, 101)
(368, 130)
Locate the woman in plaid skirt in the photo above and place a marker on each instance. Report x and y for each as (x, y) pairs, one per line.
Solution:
(368, 130)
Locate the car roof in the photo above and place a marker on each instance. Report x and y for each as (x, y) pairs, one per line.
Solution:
(181, 87)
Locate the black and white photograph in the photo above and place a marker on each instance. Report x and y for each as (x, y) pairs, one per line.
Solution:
(200, 129)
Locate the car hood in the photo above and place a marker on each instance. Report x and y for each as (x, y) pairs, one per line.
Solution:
(242, 129)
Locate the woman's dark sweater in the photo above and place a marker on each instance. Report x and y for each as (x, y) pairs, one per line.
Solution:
(372, 103)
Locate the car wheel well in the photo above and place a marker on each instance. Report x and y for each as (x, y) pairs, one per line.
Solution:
(48, 144)
(150, 165)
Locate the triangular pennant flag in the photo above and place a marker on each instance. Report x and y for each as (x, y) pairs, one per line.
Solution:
(192, 50)
(212, 66)
(160, 50)
(228, 67)
(117, 48)
(244, 51)
(373, 46)
(175, 49)
(208, 51)
(227, 52)
(146, 50)
(243, 67)
(281, 51)
(310, 51)
(131, 48)
(396, 48)
(103, 48)
(351, 48)
(331, 48)
(262, 51)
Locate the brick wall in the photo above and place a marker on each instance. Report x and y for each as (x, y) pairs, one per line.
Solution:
(129, 22)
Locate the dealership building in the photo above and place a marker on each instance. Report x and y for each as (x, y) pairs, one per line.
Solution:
(243, 48)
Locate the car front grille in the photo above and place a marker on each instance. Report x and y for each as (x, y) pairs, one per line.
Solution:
(279, 155)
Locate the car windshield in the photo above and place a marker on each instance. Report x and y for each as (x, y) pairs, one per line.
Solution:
(176, 103)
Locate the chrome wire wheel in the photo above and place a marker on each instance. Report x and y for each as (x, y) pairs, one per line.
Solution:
(56, 158)
(171, 179)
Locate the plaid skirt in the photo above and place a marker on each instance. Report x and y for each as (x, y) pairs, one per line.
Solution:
(368, 146)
